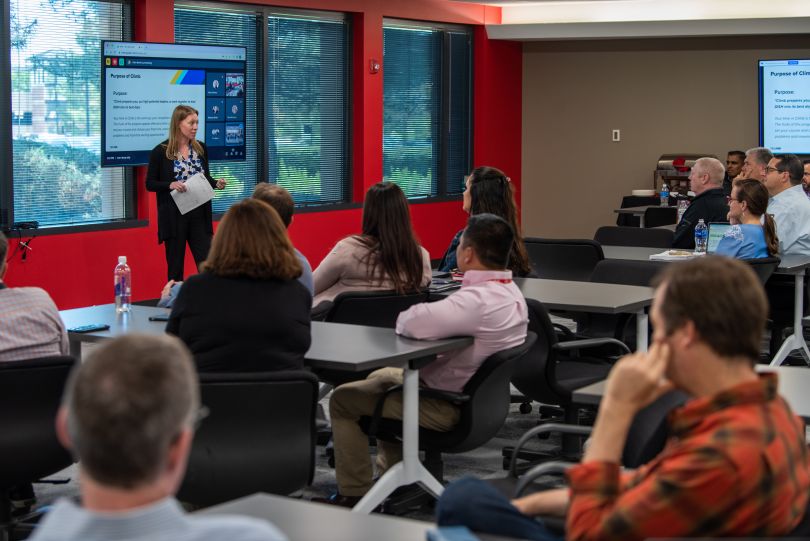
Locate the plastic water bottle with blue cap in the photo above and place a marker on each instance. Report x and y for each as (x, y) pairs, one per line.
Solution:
(664, 195)
(123, 285)
(701, 237)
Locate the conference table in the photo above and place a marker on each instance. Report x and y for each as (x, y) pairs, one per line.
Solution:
(795, 265)
(336, 346)
(305, 520)
(794, 381)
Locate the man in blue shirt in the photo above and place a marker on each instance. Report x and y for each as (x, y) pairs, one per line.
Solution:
(128, 417)
(789, 205)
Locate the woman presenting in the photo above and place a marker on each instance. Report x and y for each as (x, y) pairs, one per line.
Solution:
(171, 163)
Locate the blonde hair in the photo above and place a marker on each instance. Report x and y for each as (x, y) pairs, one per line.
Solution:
(179, 115)
(251, 241)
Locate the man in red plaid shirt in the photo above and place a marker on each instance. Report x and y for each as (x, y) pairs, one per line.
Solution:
(736, 461)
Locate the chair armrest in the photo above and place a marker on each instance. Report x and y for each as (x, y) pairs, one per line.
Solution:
(589, 343)
(543, 429)
(541, 469)
(565, 331)
(450, 396)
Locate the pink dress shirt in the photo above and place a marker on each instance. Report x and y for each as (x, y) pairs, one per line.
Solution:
(489, 307)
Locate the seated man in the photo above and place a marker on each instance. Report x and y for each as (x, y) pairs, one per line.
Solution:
(30, 325)
(756, 161)
(789, 206)
(489, 307)
(128, 416)
(706, 180)
(734, 164)
(736, 461)
(280, 199)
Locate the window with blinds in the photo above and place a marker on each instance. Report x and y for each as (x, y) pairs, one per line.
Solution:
(55, 114)
(426, 107)
(297, 100)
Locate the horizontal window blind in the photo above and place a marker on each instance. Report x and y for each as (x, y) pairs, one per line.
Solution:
(56, 123)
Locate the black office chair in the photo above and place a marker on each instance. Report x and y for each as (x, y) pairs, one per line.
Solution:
(484, 404)
(564, 259)
(30, 395)
(258, 437)
(550, 372)
(625, 272)
(628, 201)
(658, 216)
(372, 308)
(764, 267)
(633, 236)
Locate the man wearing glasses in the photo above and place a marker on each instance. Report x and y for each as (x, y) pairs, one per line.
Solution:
(128, 417)
(788, 205)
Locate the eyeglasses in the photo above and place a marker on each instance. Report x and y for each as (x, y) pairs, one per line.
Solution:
(729, 199)
(769, 169)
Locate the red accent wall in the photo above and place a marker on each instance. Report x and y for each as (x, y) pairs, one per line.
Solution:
(76, 269)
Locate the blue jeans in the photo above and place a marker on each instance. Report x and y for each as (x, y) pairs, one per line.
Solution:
(479, 506)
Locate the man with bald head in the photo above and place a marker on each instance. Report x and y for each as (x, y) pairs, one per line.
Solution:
(756, 163)
(706, 181)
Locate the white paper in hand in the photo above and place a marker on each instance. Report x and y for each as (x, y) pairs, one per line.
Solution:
(198, 192)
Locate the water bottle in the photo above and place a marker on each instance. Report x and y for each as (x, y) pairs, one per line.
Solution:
(664, 195)
(683, 204)
(701, 237)
(123, 285)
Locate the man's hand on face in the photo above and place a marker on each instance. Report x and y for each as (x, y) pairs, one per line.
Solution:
(638, 379)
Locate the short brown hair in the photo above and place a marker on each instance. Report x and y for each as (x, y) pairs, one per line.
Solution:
(252, 242)
(127, 403)
(723, 298)
(277, 197)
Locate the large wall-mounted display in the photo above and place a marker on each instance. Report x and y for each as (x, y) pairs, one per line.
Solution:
(784, 105)
(142, 83)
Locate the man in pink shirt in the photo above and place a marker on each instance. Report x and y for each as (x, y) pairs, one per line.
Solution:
(489, 307)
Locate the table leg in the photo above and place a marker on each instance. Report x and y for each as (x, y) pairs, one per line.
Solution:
(642, 334)
(641, 221)
(796, 339)
(410, 470)
(75, 348)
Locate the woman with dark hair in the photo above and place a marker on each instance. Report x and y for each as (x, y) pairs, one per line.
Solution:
(246, 310)
(171, 164)
(385, 256)
(748, 238)
(489, 190)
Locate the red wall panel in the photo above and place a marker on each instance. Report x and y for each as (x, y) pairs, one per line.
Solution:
(76, 269)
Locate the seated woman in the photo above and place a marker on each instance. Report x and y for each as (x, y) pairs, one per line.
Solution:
(385, 256)
(246, 310)
(748, 238)
(489, 190)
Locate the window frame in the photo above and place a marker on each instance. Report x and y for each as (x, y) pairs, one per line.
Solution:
(7, 218)
(263, 13)
(442, 193)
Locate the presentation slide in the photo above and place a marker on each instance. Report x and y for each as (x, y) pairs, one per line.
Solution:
(784, 105)
(142, 83)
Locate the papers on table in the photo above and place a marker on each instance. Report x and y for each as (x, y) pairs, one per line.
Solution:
(675, 255)
(198, 192)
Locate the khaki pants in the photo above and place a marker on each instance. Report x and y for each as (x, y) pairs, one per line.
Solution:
(353, 400)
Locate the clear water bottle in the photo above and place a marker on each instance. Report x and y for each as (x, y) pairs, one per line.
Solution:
(701, 237)
(664, 195)
(683, 204)
(123, 285)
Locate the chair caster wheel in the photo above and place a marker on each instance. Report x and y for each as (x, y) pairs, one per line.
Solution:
(525, 408)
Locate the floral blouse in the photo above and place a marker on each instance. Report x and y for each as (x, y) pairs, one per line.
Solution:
(187, 167)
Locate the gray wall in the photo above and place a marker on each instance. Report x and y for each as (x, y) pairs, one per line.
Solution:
(667, 96)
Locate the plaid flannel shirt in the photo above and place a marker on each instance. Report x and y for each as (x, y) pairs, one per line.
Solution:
(735, 464)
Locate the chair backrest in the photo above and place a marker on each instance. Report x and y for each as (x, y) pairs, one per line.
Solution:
(626, 271)
(764, 267)
(657, 216)
(629, 220)
(534, 373)
(649, 431)
(258, 437)
(30, 395)
(372, 308)
(634, 236)
(563, 259)
(484, 414)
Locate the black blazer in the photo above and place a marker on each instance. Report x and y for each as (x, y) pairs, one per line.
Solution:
(158, 177)
(711, 205)
(242, 324)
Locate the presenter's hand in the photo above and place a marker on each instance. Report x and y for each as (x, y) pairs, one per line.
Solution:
(221, 183)
(177, 185)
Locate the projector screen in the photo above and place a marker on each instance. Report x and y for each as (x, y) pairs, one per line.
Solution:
(142, 83)
(784, 105)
